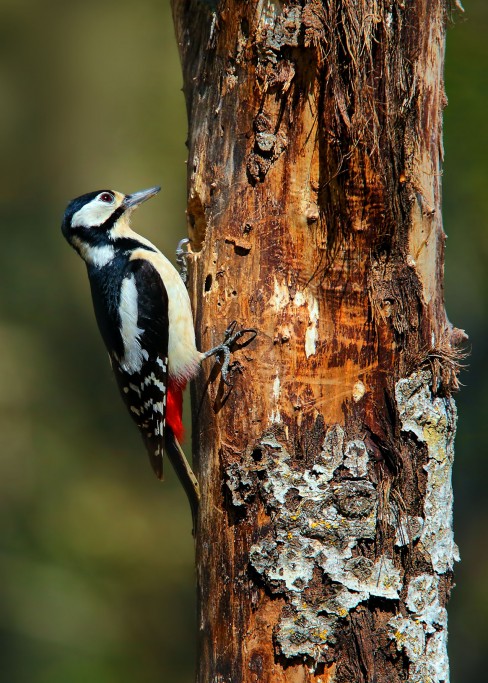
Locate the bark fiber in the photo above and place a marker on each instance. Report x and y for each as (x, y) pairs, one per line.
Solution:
(324, 545)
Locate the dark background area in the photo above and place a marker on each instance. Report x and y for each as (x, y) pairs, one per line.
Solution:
(96, 558)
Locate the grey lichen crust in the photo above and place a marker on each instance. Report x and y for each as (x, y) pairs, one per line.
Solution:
(422, 633)
(433, 422)
(318, 523)
(324, 517)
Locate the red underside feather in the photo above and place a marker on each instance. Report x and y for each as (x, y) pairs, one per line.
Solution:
(174, 409)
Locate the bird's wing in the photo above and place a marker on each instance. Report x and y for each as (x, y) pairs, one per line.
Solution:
(144, 328)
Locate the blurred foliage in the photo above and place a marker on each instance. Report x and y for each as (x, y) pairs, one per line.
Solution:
(96, 558)
(465, 220)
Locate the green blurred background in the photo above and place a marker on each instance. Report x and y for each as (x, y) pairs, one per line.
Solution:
(96, 558)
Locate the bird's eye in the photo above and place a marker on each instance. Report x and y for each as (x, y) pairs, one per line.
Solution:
(106, 197)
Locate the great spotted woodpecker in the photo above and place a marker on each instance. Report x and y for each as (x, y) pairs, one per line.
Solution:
(144, 315)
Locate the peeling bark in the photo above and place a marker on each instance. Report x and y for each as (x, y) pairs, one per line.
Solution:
(324, 547)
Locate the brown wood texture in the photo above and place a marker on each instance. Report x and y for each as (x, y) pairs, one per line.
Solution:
(314, 195)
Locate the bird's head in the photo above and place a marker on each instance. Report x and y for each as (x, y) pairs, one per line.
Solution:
(98, 218)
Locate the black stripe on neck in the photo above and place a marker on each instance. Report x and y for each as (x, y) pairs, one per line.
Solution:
(112, 220)
(93, 237)
(127, 244)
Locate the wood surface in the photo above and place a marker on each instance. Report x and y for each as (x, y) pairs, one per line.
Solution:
(314, 211)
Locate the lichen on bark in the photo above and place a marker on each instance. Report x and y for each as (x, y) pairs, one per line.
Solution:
(433, 422)
(315, 158)
(320, 516)
(421, 632)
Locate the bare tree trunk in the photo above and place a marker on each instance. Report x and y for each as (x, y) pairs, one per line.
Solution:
(325, 546)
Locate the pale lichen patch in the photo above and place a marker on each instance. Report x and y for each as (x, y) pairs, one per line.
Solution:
(320, 531)
(310, 629)
(359, 574)
(278, 29)
(422, 635)
(324, 519)
(433, 421)
(356, 458)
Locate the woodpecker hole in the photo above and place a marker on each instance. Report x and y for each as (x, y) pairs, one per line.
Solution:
(208, 282)
(257, 455)
(241, 251)
(197, 223)
(245, 27)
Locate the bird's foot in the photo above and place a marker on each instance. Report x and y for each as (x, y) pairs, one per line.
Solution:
(223, 351)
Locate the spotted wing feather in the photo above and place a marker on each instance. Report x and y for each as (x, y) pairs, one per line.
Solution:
(145, 392)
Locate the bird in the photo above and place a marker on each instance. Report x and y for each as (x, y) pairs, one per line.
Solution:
(145, 319)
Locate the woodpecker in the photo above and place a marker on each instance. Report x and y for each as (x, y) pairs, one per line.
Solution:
(144, 315)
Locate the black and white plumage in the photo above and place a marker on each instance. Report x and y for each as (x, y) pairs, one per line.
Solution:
(144, 315)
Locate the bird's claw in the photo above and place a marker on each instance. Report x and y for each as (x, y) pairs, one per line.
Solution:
(224, 350)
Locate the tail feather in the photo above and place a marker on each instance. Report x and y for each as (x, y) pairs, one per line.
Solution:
(184, 473)
(155, 458)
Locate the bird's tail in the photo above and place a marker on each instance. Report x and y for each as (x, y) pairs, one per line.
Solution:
(184, 473)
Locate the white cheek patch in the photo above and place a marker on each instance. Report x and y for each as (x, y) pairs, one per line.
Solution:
(92, 215)
(97, 256)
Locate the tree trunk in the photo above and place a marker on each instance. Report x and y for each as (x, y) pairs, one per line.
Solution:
(324, 545)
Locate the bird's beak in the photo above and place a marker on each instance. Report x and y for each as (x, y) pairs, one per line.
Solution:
(136, 198)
